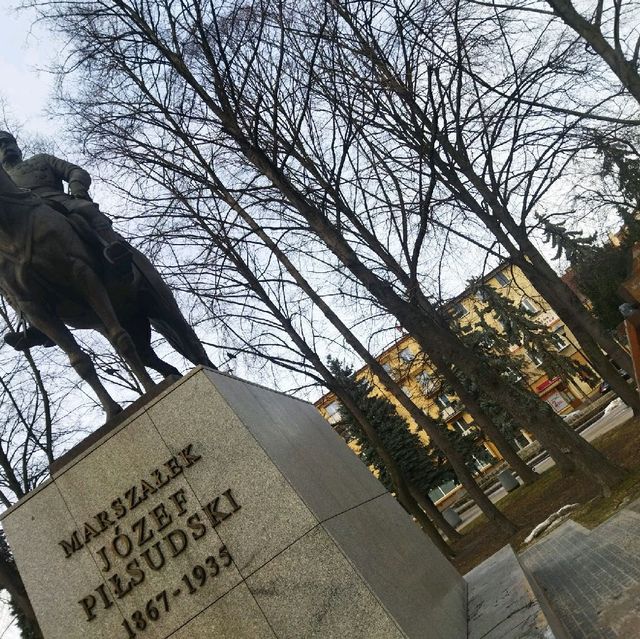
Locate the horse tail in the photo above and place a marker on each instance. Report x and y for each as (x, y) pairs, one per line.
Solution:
(184, 341)
(165, 315)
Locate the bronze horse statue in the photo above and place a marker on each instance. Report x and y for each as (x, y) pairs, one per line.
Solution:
(50, 274)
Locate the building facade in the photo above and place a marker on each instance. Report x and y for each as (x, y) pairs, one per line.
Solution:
(420, 381)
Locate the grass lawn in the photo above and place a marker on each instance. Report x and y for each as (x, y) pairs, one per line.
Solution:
(530, 505)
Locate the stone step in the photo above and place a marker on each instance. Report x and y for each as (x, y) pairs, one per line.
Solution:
(566, 538)
(591, 577)
(504, 604)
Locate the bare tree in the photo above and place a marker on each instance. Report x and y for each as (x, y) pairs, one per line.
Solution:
(241, 259)
(251, 91)
(608, 29)
(496, 156)
(33, 430)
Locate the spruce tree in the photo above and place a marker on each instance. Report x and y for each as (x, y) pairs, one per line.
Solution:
(599, 269)
(421, 463)
(494, 340)
(518, 327)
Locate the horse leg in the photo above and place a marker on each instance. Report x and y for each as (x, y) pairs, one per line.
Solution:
(56, 331)
(97, 297)
(151, 360)
(140, 331)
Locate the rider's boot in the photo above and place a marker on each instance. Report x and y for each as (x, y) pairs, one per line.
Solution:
(119, 257)
(116, 251)
(30, 337)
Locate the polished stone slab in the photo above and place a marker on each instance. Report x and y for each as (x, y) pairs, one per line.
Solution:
(504, 605)
(222, 508)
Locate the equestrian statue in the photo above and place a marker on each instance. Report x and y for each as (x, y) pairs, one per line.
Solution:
(62, 265)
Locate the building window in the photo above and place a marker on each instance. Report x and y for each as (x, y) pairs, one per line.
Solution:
(427, 383)
(406, 391)
(458, 310)
(535, 358)
(465, 428)
(529, 306)
(483, 459)
(406, 355)
(442, 490)
(512, 374)
(388, 369)
(481, 294)
(521, 439)
(443, 401)
(502, 279)
(559, 340)
(480, 464)
(333, 412)
(487, 340)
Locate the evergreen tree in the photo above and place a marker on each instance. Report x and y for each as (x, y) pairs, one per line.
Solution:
(599, 269)
(28, 626)
(570, 243)
(513, 325)
(421, 463)
(518, 327)
(620, 160)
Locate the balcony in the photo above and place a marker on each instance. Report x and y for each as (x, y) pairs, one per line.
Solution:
(451, 411)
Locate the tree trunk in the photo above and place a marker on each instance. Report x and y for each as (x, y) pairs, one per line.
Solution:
(425, 523)
(568, 449)
(626, 71)
(420, 325)
(497, 217)
(437, 435)
(587, 330)
(11, 581)
(402, 488)
(434, 514)
(591, 336)
(425, 423)
(486, 425)
(438, 341)
(397, 477)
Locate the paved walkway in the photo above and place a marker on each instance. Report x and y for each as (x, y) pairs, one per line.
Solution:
(592, 578)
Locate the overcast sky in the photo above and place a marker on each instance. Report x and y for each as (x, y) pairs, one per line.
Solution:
(23, 50)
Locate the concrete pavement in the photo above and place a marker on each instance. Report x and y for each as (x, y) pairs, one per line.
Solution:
(591, 579)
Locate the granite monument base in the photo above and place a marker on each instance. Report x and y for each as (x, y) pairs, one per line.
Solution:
(224, 509)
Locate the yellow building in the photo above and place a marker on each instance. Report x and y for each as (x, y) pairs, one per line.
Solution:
(412, 369)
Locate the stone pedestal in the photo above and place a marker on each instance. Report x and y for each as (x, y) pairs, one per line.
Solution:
(223, 509)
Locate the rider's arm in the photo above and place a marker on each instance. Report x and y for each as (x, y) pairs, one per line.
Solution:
(78, 179)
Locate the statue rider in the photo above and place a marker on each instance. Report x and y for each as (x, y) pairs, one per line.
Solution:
(44, 175)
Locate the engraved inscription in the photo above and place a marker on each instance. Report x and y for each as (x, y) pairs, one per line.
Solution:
(129, 500)
(140, 537)
(156, 607)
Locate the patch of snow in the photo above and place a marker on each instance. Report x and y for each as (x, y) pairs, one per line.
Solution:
(616, 403)
(550, 522)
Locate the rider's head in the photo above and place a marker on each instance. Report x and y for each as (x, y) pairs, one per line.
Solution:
(9, 150)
